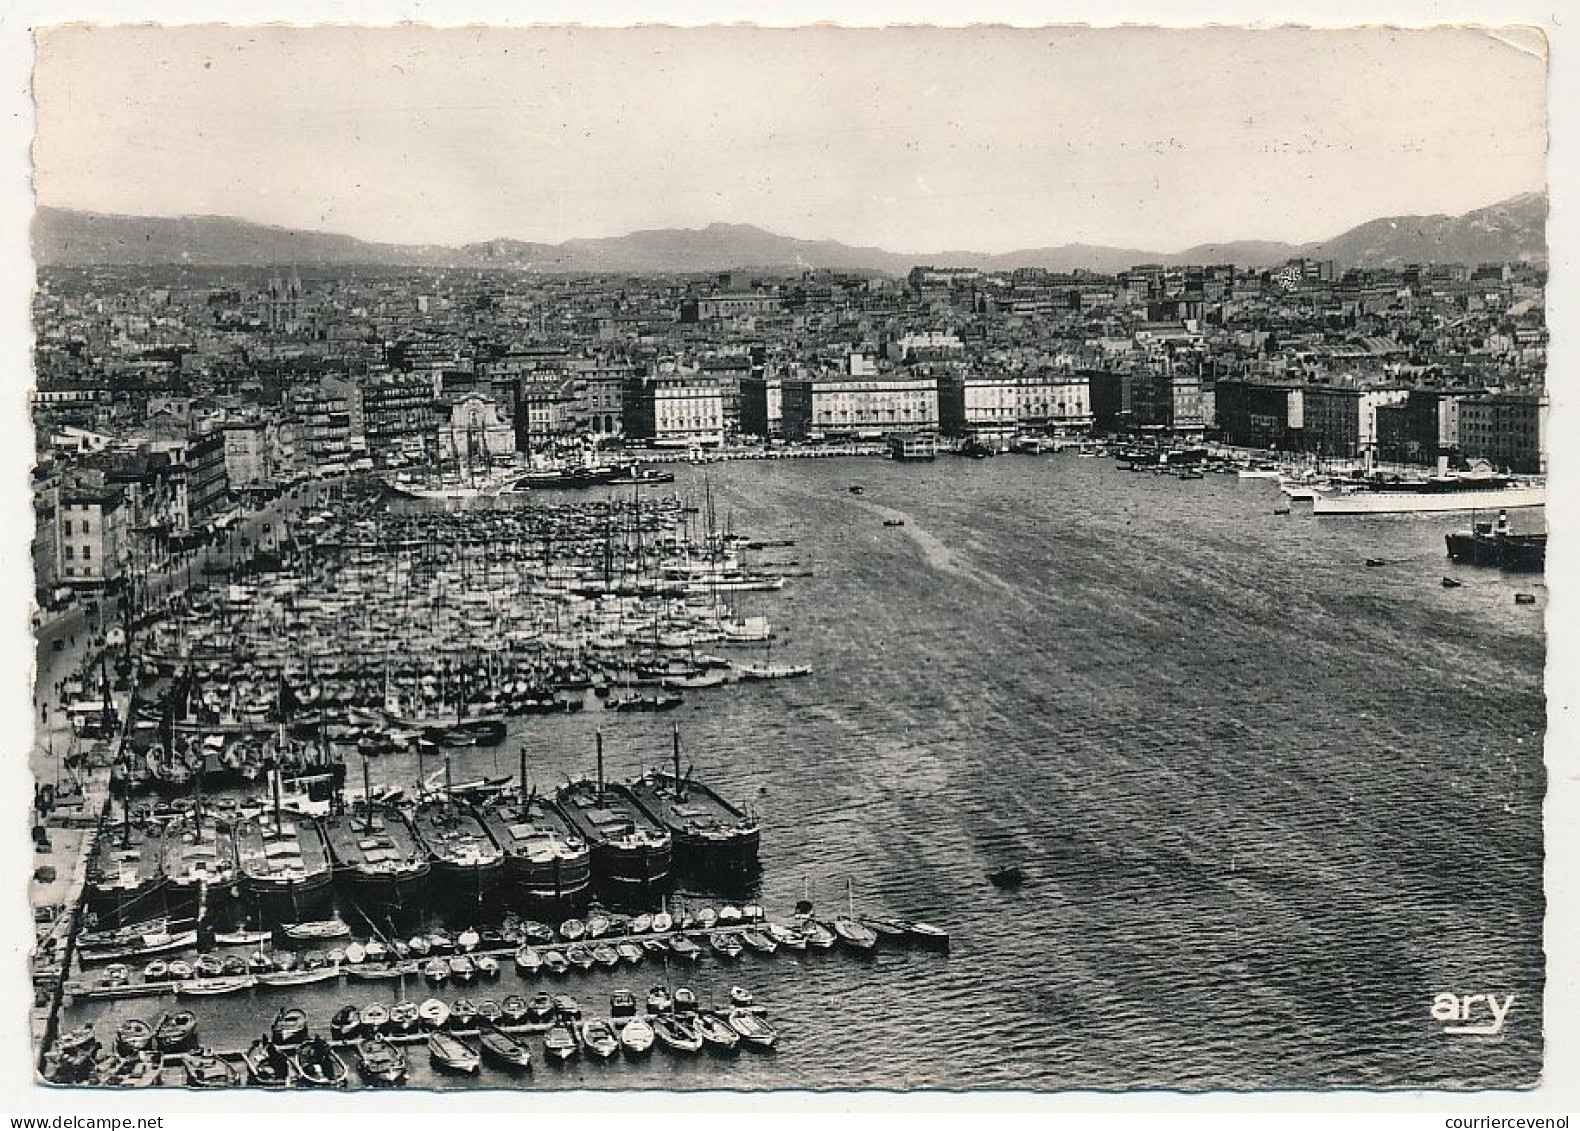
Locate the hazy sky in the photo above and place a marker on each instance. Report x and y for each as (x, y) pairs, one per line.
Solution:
(912, 140)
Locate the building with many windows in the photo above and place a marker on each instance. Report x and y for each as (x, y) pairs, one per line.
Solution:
(1506, 428)
(672, 408)
(89, 550)
(858, 406)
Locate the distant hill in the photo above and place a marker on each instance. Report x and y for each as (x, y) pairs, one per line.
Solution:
(1512, 230)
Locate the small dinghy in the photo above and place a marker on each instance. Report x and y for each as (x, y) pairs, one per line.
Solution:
(404, 1017)
(555, 962)
(528, 961)
(132, 1036)
(176, 1032)
(629, 952)
(514, 1009)
(375, 1019)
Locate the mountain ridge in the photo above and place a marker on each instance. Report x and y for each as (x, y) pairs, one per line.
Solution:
(1512, 230)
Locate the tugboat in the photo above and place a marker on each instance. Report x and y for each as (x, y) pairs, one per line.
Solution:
(629, 847)
(545, 857)
(712, 837)
(376, 852)
(1496, 544)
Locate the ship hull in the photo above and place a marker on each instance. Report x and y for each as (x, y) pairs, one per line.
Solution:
(560, 879)
(1429, 502)
(404, 889)
(715, 857)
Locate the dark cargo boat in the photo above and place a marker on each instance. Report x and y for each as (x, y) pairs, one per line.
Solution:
(125, 873)
(711, 836)
(280, 853)
(545, 856)
(628, 846)
(377, 854)
(1496, 544)
(465, 860)
(199, 864)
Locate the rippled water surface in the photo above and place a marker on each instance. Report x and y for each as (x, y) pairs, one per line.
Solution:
(1269, 801)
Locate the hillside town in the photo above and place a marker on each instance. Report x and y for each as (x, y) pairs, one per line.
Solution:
(170, 401)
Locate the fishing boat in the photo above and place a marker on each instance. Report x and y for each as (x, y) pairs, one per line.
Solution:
(380, 1063)
(176, 1032)
(289, 1027)
(753, 1029)
(462, 968)
(580, 957)
(463, 1014)
(716, 1032)
(683, 947)
(528, 961)
(318, 1065)
(466, 862)
(628, 846)
(503, 1050)
(153, 942)
(205, 1070)
(375, 1019)
(685, 1000)
(713, 838)
(267, 1065)
(555, 962)
(560, 1044)
(545, 856)
(376, 854)
(676, 1033)
(599, 1038)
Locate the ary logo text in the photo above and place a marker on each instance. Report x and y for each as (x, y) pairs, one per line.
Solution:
(1480, 1015)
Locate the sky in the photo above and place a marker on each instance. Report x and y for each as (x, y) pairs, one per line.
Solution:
(980, 139)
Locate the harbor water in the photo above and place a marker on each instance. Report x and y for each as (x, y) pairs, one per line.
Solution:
(1268, 801)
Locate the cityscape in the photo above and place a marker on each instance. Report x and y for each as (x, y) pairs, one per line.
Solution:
(716, 660)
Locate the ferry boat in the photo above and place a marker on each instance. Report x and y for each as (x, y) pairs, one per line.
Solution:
(377, 854)
(628, 845)
(464, 858)
(711, 836)
(281, 854)
(544, 854)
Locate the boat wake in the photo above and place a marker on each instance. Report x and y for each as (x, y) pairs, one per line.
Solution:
(934, 550)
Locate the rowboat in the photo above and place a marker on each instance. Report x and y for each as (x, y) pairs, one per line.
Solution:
(555, 962)
(566, 1006)
(304, 977)
(716, 1032)
(210, 987)
(636, 1037)
(606, 956)
(289, 1027)
(404, 1017)
(176, 1032)
(436, 970)
(572, 929)
(854, 934)
(319, 1066)
(753, 1029)
(468, 939)
(685, 948)
(629, 952)
(659, 1000)
(685, 1000)
(133, 1036)
(726, 945)
(241, 938)
(817, 936)
(503, 1050)
(528, 960)
(379, 1062)
(489, 1012)
(320, 929)
(541, 1007)
(676, 1034)
(346, 1024)
(366, 973)
(599, 1038)
(375, 1019)
(356, 954)
(452, 1053)
(463, 1014)
(268, 1066)
(433, 1013)
(559, 1044)
(205, 1070)
(487, 966)
(462, 969)
(580, 957)
(663, 923)
(759, 942)
(741, 997)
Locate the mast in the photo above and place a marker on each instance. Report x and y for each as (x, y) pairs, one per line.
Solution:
(522, 779)
(279, 825)
(677, 758)
(367, 797)
(598, 739)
